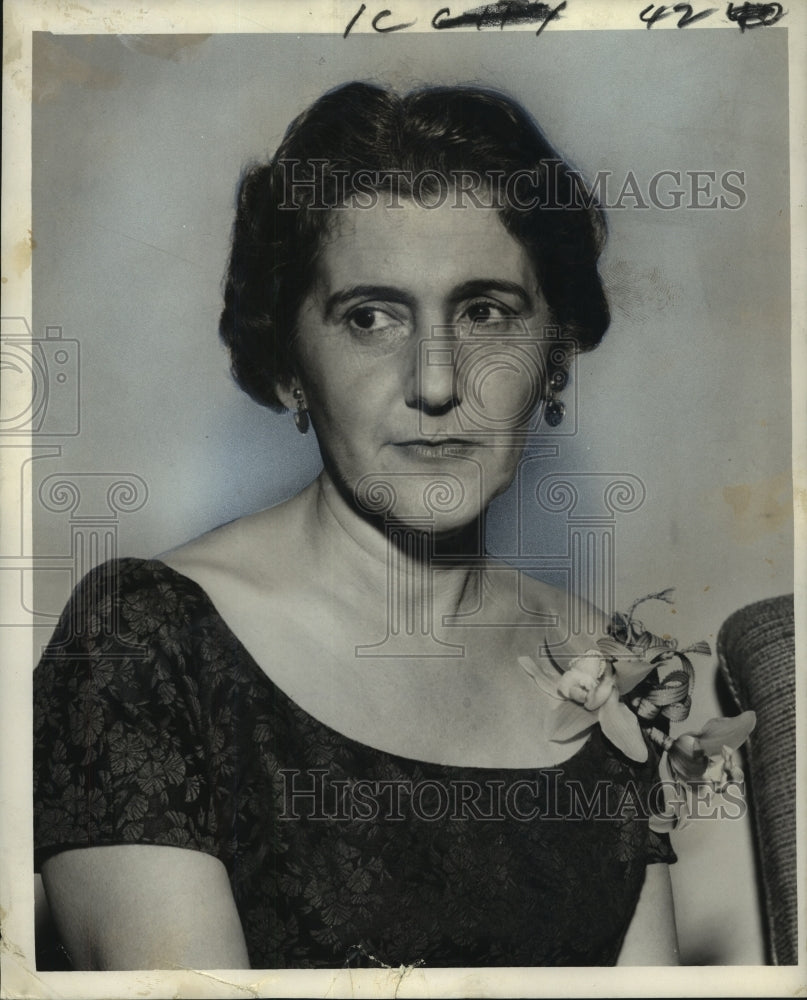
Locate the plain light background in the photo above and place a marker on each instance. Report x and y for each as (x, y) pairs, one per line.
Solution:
(137, 146)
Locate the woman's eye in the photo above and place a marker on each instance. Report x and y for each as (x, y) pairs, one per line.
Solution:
(364, 319)
(372, 319)
(484, 312)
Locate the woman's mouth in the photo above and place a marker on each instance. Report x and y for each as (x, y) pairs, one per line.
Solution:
(437, 447)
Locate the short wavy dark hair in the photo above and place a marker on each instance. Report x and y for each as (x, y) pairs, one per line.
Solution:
(360, 130)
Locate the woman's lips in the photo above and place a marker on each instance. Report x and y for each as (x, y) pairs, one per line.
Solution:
(440, 447)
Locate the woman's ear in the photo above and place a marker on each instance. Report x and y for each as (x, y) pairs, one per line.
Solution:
(285, 393)
(291, 395)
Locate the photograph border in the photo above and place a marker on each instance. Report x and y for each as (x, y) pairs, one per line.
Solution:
(17, 966)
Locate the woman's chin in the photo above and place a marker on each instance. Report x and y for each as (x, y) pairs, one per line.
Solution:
(439, 502)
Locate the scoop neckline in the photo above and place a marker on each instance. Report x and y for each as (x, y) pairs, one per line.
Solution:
(275, 688)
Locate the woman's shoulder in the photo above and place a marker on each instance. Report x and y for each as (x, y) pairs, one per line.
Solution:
(247, 550)
(120, 608)
(249, 572)
(565, 621)
(123, 582)
(138, 635)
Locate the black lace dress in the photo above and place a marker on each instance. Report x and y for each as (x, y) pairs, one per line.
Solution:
(154, 725)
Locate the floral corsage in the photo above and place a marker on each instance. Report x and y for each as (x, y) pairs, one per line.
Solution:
(627, 685)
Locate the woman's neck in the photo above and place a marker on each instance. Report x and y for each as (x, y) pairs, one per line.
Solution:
(379, 557)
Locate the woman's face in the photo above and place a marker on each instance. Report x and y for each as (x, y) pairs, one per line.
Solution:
(420, 353)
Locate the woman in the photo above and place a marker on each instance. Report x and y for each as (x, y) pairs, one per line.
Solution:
(291, 742)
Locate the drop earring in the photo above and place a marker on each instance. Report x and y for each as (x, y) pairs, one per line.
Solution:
(301, 420)
(554, 410)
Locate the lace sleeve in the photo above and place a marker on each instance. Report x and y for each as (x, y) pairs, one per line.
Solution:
(119, 742)
(659, 849)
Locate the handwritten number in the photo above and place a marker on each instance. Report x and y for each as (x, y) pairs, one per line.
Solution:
(747, 15)
(353, 19)
(377, 26)
(755, 15)
(689, 17)
(659, 12)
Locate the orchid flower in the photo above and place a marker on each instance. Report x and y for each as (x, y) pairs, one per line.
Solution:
(594, 688)
(589, 692)
(693, 760)
(693, 754)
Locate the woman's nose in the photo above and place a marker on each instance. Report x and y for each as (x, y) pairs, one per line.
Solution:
(433, 385)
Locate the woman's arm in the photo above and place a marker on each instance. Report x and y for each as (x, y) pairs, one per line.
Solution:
(651, 937)
(142, 906)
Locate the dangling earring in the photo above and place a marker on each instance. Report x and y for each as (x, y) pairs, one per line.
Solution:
(301, 420)
(554, 410)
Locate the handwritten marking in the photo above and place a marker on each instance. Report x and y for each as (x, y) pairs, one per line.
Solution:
(391, 27)
(491, 15)
(688, 16)
(353, 19)
(755, 15)
(749, 15)
(499, 14)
